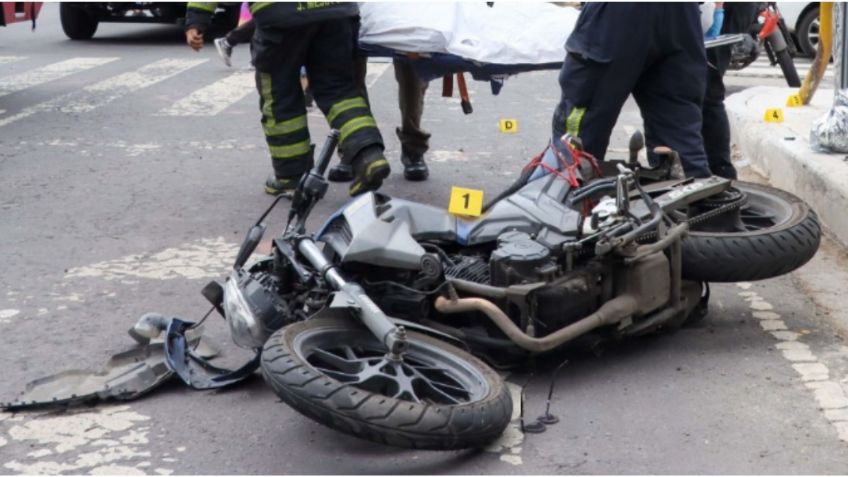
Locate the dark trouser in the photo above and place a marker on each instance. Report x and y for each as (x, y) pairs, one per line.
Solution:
(657, 54)
(411, 91)
(326, 49)
(716, 129)
(242, 34)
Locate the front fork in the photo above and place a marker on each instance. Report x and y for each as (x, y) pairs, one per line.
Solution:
(393, 336)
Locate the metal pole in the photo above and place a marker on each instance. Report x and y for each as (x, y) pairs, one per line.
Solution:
(830, 133)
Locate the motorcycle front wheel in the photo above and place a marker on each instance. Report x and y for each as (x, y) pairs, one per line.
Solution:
(773, 233)
(436, 397)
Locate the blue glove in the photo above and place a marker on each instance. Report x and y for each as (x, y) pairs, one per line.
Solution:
(718, 21)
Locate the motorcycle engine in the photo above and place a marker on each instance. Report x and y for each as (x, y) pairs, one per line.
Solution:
(520, 259)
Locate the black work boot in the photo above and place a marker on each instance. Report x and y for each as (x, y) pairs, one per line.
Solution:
(370, 167)
(284, 186)
(341, 172)
(414, 167)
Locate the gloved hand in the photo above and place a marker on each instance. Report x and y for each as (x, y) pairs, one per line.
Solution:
(718, 21)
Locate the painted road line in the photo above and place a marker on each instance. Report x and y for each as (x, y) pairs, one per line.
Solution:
(28, 79)
(212, 99)
(831, 398)
(375, 71)
(104, 440)
(204, 258)
(11, 59)
(108, 90)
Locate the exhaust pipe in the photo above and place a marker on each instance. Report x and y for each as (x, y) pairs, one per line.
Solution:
(611, 312)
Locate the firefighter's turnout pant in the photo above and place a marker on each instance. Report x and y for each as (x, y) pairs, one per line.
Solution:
(654, 51)
(326, 49)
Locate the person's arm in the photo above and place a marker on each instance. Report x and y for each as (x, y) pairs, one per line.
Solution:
(718, 21)
(198, 18)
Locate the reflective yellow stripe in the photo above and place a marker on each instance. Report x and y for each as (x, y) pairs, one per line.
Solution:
(572, 123)
(205, 6)
(256, 6)
(356, 124)
(342, 106)
(270, 124)
(273, 128)
(267, 98)
(291, 150)
(378, 163)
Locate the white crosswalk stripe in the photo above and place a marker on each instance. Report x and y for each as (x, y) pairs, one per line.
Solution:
(211, 100)
(108, 90)
(55, 71)
(10, 59)
(762, 68)
(187, 99)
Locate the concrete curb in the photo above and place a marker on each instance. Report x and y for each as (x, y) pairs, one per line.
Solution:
(781, 151)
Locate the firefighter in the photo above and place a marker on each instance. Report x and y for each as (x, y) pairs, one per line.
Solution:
(320, 36)
(654, 51)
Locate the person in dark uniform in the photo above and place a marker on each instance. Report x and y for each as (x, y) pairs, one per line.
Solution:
(320, 36)
(414, 140)
(738, 18)
(654, 51)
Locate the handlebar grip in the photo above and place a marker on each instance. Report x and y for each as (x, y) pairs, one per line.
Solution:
(327, 151)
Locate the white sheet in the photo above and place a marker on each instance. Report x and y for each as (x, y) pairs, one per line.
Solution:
(506, 33)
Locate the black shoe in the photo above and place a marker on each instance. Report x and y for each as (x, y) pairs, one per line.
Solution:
(281, 186)
(341, 172)
(370, 167)
(225, 51)
(414, 167)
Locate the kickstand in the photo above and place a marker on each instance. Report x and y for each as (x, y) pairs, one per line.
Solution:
(547, 418)
(533, 427)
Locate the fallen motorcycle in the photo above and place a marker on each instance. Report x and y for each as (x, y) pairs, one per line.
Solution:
(371, 325)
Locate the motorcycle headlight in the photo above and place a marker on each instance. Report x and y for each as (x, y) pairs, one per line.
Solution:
(244, 326)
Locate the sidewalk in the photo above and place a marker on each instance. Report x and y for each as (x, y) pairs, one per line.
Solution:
(781, 151)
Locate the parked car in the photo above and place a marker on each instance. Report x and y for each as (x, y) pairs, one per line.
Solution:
(802, 18)
(14, 12)
(80, 20)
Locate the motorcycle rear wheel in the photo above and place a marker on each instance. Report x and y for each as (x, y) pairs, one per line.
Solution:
(778, 233)
(438, 397)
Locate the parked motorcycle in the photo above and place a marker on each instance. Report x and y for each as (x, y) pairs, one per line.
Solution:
(778, 43)
(383, 324)
(770, 33)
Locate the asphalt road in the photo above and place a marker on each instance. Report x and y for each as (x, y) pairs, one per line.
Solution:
(126, 183)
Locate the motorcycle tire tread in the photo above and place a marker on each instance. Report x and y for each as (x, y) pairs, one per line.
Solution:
(715, 257)
(378, 418)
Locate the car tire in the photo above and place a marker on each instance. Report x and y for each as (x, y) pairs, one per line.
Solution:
(809, 24)
(77, 23)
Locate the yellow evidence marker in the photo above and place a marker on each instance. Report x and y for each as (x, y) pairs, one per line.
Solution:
(794, 101)
(773, 115)
(508, 125)
(468, 202)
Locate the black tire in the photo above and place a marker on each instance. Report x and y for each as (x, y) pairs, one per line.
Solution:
(784, 59)
(808, 26)
(374, 416)
(779, 247)
(77, 23)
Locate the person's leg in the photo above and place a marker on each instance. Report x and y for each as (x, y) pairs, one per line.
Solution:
(670, 92)
(330, 66)
(343, 171)
(414, 140)
(283, 109)
(592, 96)
(242, 34)
(716, 127)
